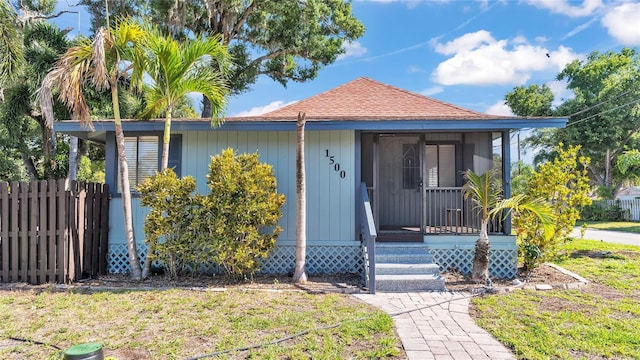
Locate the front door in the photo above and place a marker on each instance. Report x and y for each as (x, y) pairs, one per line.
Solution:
(399, 178)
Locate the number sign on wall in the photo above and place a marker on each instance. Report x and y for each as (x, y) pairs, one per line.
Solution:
(335, 164)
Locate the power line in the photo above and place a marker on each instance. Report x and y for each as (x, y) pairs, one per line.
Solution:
(603, 112)
(600, 103)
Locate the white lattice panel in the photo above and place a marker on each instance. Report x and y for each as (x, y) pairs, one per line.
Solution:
(320, 260)
(502, 263)
(118, 258)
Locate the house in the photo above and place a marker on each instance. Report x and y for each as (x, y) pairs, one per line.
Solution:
(407, 149)
(628, 193)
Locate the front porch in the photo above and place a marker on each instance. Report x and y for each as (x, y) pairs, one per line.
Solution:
(413, 184)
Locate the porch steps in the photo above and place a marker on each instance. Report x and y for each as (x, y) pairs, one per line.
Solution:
(404, 267)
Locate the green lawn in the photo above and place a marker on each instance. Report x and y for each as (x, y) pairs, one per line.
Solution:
(597, 321)
(633, 227)
(176, 324)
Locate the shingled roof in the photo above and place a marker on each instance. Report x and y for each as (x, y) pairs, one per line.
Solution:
(366, 99)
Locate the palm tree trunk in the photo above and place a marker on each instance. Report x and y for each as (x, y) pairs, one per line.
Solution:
(300, 276)
(480, 272)
(165, 141)
(73, 158)
(206, 108)
(132, 249)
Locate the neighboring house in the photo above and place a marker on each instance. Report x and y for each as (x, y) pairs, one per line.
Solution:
(408, 149)
(628, 193)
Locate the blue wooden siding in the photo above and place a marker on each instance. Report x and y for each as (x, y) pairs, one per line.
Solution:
(330, 198)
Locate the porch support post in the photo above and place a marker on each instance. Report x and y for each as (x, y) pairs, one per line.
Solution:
(506, 174)
(376, 181)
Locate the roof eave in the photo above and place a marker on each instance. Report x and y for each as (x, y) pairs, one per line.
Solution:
(499, 123)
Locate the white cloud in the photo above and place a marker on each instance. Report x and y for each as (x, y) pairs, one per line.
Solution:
(541, 39)
(432, 91)
(352, 49)
(623, 23)
(519, 40)
(479, 59)
(560, 92)
(415, 69)
(499, 108)
(465, 42)
(259, 110)
(580, 28)
(566, 7)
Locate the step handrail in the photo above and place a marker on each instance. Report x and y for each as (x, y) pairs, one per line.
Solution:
(369, 235)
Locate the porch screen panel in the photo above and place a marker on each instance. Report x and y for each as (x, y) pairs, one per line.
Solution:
(447, 165)
(431, 158)
(399, 178)
(440, 170)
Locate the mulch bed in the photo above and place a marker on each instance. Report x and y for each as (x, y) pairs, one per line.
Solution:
(544, 274)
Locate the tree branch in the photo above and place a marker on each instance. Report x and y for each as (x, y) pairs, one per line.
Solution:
(625, 141)
(242, 20)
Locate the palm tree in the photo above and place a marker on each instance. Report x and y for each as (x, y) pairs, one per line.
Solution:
(100, 63)
(178, 69)
(300, 276)
(11, 53)
(485, 192)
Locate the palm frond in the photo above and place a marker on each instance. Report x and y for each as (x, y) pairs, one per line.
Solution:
(11, 44)
(100, 78)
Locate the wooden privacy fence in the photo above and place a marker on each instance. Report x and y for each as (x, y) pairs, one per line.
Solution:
(52, 234)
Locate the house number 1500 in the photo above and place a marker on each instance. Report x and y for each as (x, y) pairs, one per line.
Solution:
(336, 165)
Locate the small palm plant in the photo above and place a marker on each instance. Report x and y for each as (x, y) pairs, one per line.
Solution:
(485, 191)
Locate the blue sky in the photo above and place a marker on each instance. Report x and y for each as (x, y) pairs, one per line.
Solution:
(466, 52)
(469, 53)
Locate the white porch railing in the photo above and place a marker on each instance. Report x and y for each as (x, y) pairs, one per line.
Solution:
(446, 211)
(368, 236)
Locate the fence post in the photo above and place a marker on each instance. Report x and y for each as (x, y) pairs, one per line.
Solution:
(75, 261)
(4, 231)
(32, 230)
(42, 232)
(51, 230)
(104, 228)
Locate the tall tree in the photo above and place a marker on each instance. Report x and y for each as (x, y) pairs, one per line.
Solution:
(179, 68)
(285, 40)
(20, 115)
(11, 56)
(300, 275)
(100, 63)
(604, 112)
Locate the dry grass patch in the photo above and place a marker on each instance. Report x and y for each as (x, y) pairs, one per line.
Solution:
(177, 324)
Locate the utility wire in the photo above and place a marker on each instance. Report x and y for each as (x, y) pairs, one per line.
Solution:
(603, 112)
(332, 326)
(600, 103)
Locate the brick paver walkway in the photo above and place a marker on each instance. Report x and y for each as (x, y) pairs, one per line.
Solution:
(437, 325)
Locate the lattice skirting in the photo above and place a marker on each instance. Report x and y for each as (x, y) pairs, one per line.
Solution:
(320, 260)
(503, 264)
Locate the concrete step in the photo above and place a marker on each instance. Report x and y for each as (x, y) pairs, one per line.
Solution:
(401, 258)
(401, 248)
(404, 283)
(407, 269)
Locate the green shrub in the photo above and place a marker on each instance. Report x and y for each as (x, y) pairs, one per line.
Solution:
(233, 226)
(601, 211)
(237, 222)
(564, 184)
(168, 225)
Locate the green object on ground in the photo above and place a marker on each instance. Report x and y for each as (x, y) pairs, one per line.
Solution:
(86, 351)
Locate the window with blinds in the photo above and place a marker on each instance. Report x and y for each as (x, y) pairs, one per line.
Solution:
(142, 156)
(440, 165)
